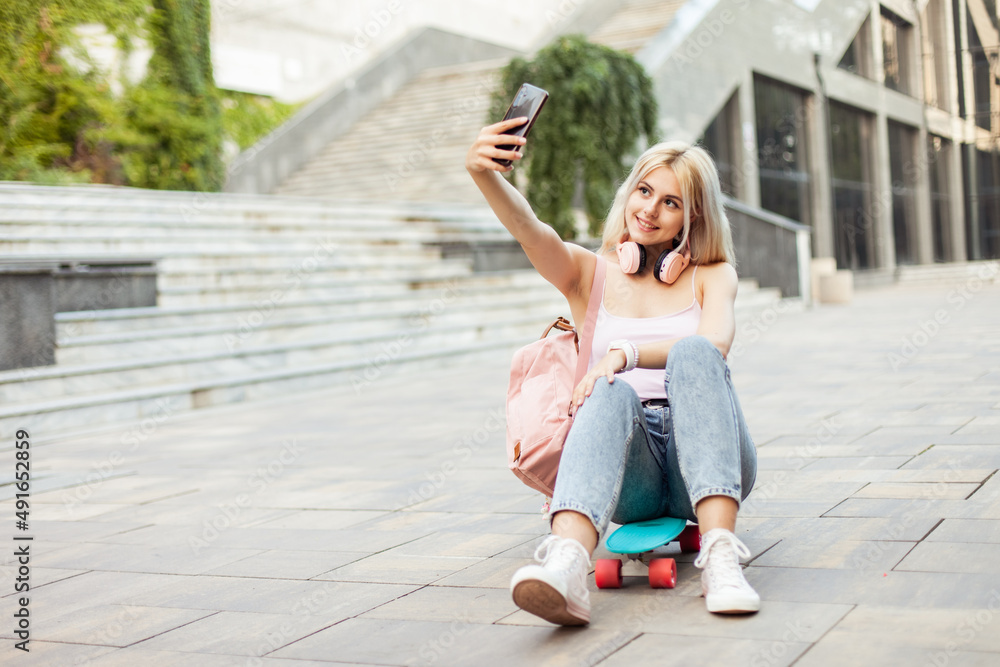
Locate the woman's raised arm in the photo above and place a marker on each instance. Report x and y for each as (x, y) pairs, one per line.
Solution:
(557, 262)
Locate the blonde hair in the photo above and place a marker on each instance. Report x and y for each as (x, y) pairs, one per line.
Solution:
(705, 221)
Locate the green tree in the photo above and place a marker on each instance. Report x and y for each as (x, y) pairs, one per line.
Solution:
(175, 111)
(600, 103)
(52, 117)
(60, 122)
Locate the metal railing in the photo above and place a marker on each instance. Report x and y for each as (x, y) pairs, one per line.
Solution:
(771, 249)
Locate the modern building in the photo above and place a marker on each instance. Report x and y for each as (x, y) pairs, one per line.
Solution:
(886, 143)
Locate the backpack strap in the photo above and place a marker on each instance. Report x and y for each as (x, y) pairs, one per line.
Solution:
(590, 323)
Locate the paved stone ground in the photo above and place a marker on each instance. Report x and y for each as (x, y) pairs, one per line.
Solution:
(382, 528)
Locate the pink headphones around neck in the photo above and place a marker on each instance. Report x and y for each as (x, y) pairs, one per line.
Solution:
(669, 265)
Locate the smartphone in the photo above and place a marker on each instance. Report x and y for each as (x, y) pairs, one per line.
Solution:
(528, 102)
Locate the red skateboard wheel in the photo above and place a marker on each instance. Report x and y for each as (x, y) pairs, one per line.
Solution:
(663, 573)
(690, 540)
(608, 573)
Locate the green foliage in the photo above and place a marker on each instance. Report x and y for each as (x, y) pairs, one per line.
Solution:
(61, 123)
(600, 103)
(175, 110)
(248, 118)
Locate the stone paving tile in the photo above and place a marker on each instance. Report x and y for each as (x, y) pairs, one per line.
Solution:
(58, 654)
(320, 519)
(972, 629)
(347, 539)
(844, 648)
(859, 463)
(664, 612)
(825, 530)
(391, 567)
(967, 530)
(488, 573)
(944, 590)
(282, 564)
(160, 558)
(927, 490)
(680, 651)
(477, 545)
(136, 655)
(389, 642)
(115, 625)
(878, 556)
(447, 604)
(272, 596)
(969, 557)
(240, 633)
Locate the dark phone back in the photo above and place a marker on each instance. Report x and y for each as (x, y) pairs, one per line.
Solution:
(528, 102)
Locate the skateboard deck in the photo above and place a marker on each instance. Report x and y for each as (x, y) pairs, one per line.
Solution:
(636, 541)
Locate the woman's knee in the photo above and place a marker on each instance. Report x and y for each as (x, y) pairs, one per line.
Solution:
(696, 348)
(618, 392)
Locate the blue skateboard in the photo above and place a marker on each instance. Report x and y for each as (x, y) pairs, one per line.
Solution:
(638, 542)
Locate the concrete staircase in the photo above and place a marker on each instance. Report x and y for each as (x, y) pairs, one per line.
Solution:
(413, 146)
(260, 297)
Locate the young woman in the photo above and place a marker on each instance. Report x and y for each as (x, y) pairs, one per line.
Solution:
(658, 429)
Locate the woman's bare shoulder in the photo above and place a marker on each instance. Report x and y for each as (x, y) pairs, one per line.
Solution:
(718, 277)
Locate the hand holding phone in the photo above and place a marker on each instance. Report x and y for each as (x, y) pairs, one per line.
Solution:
(527, 103)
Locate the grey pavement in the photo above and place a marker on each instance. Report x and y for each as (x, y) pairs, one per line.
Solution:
(381, 527)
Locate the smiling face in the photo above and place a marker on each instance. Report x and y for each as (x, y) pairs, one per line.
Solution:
(654, 212)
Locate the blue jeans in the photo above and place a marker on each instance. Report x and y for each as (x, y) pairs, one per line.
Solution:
(624, 462)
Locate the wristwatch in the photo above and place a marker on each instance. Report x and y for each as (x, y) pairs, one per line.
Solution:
(631, 353)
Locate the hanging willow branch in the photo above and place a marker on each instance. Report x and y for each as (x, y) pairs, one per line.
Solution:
(600, 103)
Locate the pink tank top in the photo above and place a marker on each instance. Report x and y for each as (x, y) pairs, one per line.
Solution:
(647, 382)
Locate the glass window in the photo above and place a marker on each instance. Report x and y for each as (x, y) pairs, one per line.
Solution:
(897, 51)
(720, 139)
(939, 163)
(858, 57)
(782, 150)
(852, 137)
(902, 150)
(981, 78)
(987, 203)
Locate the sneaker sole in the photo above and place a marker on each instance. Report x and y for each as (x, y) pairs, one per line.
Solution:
(540, 599)
(730, 606)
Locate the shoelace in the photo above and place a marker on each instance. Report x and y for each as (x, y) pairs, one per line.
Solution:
(558, 553)
(726, 570)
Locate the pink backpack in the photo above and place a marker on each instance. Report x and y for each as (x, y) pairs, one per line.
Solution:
(543, 375)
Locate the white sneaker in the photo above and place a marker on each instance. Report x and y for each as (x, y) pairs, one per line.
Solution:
(556, 590)
(725, 589)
